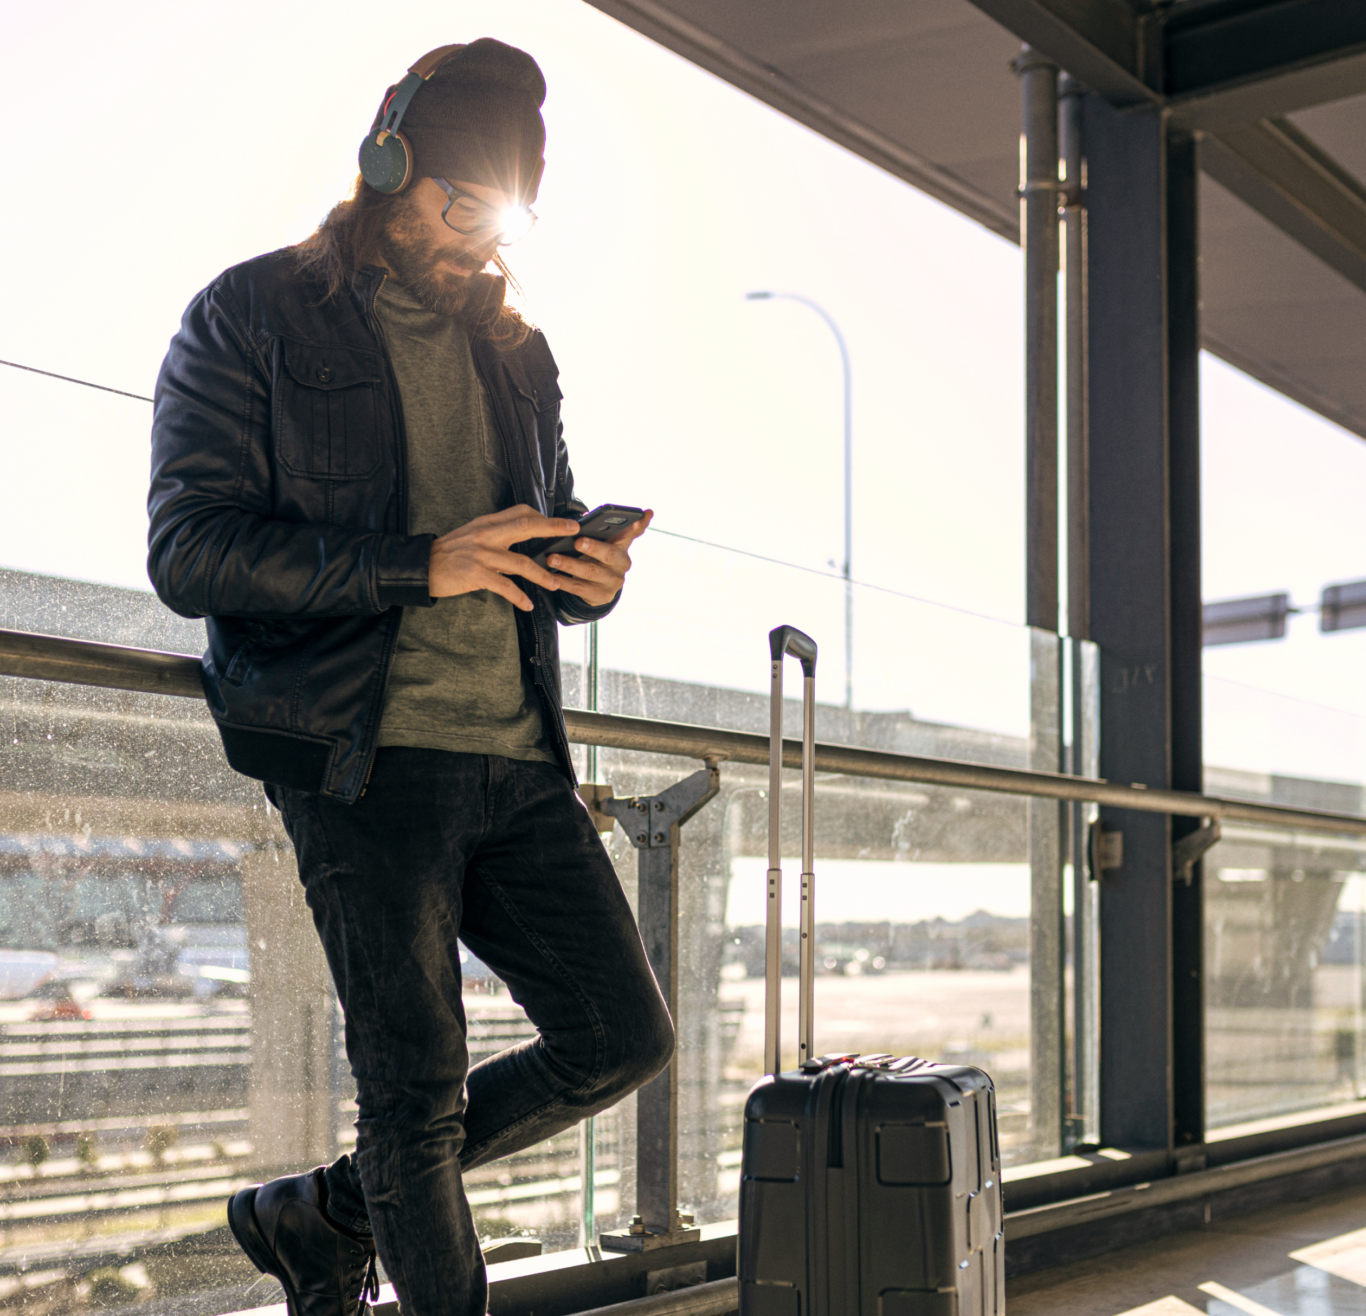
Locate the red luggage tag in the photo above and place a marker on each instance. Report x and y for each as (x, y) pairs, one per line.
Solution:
(828, 1061)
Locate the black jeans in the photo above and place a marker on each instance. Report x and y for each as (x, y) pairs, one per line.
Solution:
(502, 853)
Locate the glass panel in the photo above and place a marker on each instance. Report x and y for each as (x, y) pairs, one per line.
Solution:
(1291, 707)
(130, 843)
(1283, 974)
(133, 863)
(927, 679)
(923, 900)
(1083, 891)
(1260, 745)
(1047, 948)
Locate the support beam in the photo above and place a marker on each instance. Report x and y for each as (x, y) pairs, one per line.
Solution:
(1144, 575)
(1284, 176)
(1097, 41)
(1213, 68)
(1232, 68)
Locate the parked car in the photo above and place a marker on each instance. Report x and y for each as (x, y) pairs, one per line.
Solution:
(62, 998)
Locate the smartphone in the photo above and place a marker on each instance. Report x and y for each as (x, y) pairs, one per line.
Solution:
(601, 523)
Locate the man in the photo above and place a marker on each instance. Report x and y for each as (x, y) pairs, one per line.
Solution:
(351, 437)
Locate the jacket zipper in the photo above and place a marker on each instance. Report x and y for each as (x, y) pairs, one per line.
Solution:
(401, 435)
(553, 715)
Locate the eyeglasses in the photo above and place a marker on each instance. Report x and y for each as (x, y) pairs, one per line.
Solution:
(469, 215)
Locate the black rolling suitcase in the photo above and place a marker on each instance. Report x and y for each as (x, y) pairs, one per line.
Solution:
(870, 1185)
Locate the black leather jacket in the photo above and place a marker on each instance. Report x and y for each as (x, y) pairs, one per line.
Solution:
(279, 511)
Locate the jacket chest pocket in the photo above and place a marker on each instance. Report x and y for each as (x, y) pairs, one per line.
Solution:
(540, 394)
(327, 411)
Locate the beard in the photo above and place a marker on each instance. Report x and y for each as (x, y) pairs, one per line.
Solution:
(420, 263)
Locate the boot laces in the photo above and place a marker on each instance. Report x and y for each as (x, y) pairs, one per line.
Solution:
(369, 1289)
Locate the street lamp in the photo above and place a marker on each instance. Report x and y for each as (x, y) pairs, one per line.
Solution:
(847, 571)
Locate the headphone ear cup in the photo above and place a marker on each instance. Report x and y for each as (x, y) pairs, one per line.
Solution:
(386, 166)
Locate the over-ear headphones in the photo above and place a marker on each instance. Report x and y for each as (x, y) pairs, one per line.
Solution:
(386, 155)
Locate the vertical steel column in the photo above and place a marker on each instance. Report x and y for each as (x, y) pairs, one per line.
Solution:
(1187, 684)
(1143, 428)
(1039, 225)
(1039, 229)
(654, 823)
(1074, 283)
(1085, 667)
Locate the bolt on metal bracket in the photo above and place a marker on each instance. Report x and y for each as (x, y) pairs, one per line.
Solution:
(646, 819)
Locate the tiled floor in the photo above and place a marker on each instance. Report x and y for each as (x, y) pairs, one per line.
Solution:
(1303, 1259)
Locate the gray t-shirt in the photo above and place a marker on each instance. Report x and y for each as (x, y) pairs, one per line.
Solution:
(457, 681)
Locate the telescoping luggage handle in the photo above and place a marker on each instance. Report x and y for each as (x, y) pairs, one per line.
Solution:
(783, 640)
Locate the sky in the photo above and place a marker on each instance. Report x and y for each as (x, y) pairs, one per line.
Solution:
(190, 137)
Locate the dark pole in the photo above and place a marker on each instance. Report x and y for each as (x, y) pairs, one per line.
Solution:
(1187, 701)
(1074, 228)
(1084, 1118)
(1144, 453)
(1039, 226)
(847, 571)
(1039, 231)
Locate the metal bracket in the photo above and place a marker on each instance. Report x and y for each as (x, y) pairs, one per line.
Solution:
(1106, 847)
(646, 819)
(1189, 850)
(653, 825)
(595, 796)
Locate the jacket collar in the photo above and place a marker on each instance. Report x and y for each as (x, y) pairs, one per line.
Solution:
(366, 284)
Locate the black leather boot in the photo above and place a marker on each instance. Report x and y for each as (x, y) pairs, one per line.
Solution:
(282, 1227)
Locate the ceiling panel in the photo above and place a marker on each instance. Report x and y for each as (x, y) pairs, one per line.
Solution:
(932, 74)
(1279, 313)
(932, 78)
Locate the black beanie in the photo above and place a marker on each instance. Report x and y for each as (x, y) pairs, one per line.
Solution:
(477, 119)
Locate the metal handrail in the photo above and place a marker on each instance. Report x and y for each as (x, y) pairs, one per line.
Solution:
(120, 667)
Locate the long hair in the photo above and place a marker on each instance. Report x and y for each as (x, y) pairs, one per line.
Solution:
(350, 237)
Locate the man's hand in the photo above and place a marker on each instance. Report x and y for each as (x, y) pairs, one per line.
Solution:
(597, 576)
(476, 556)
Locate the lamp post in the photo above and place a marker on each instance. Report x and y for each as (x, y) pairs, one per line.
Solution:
(847, 569)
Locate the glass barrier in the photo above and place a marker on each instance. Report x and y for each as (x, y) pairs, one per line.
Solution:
(146, 882)
(133, 865)
(925, 678)
(1276, 749)
(929, 935)
(1284, 917)
(922, 907)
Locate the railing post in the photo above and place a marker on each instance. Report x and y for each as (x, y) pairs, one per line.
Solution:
(653, 824)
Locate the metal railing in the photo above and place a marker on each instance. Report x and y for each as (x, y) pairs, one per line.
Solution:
(120, 667)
